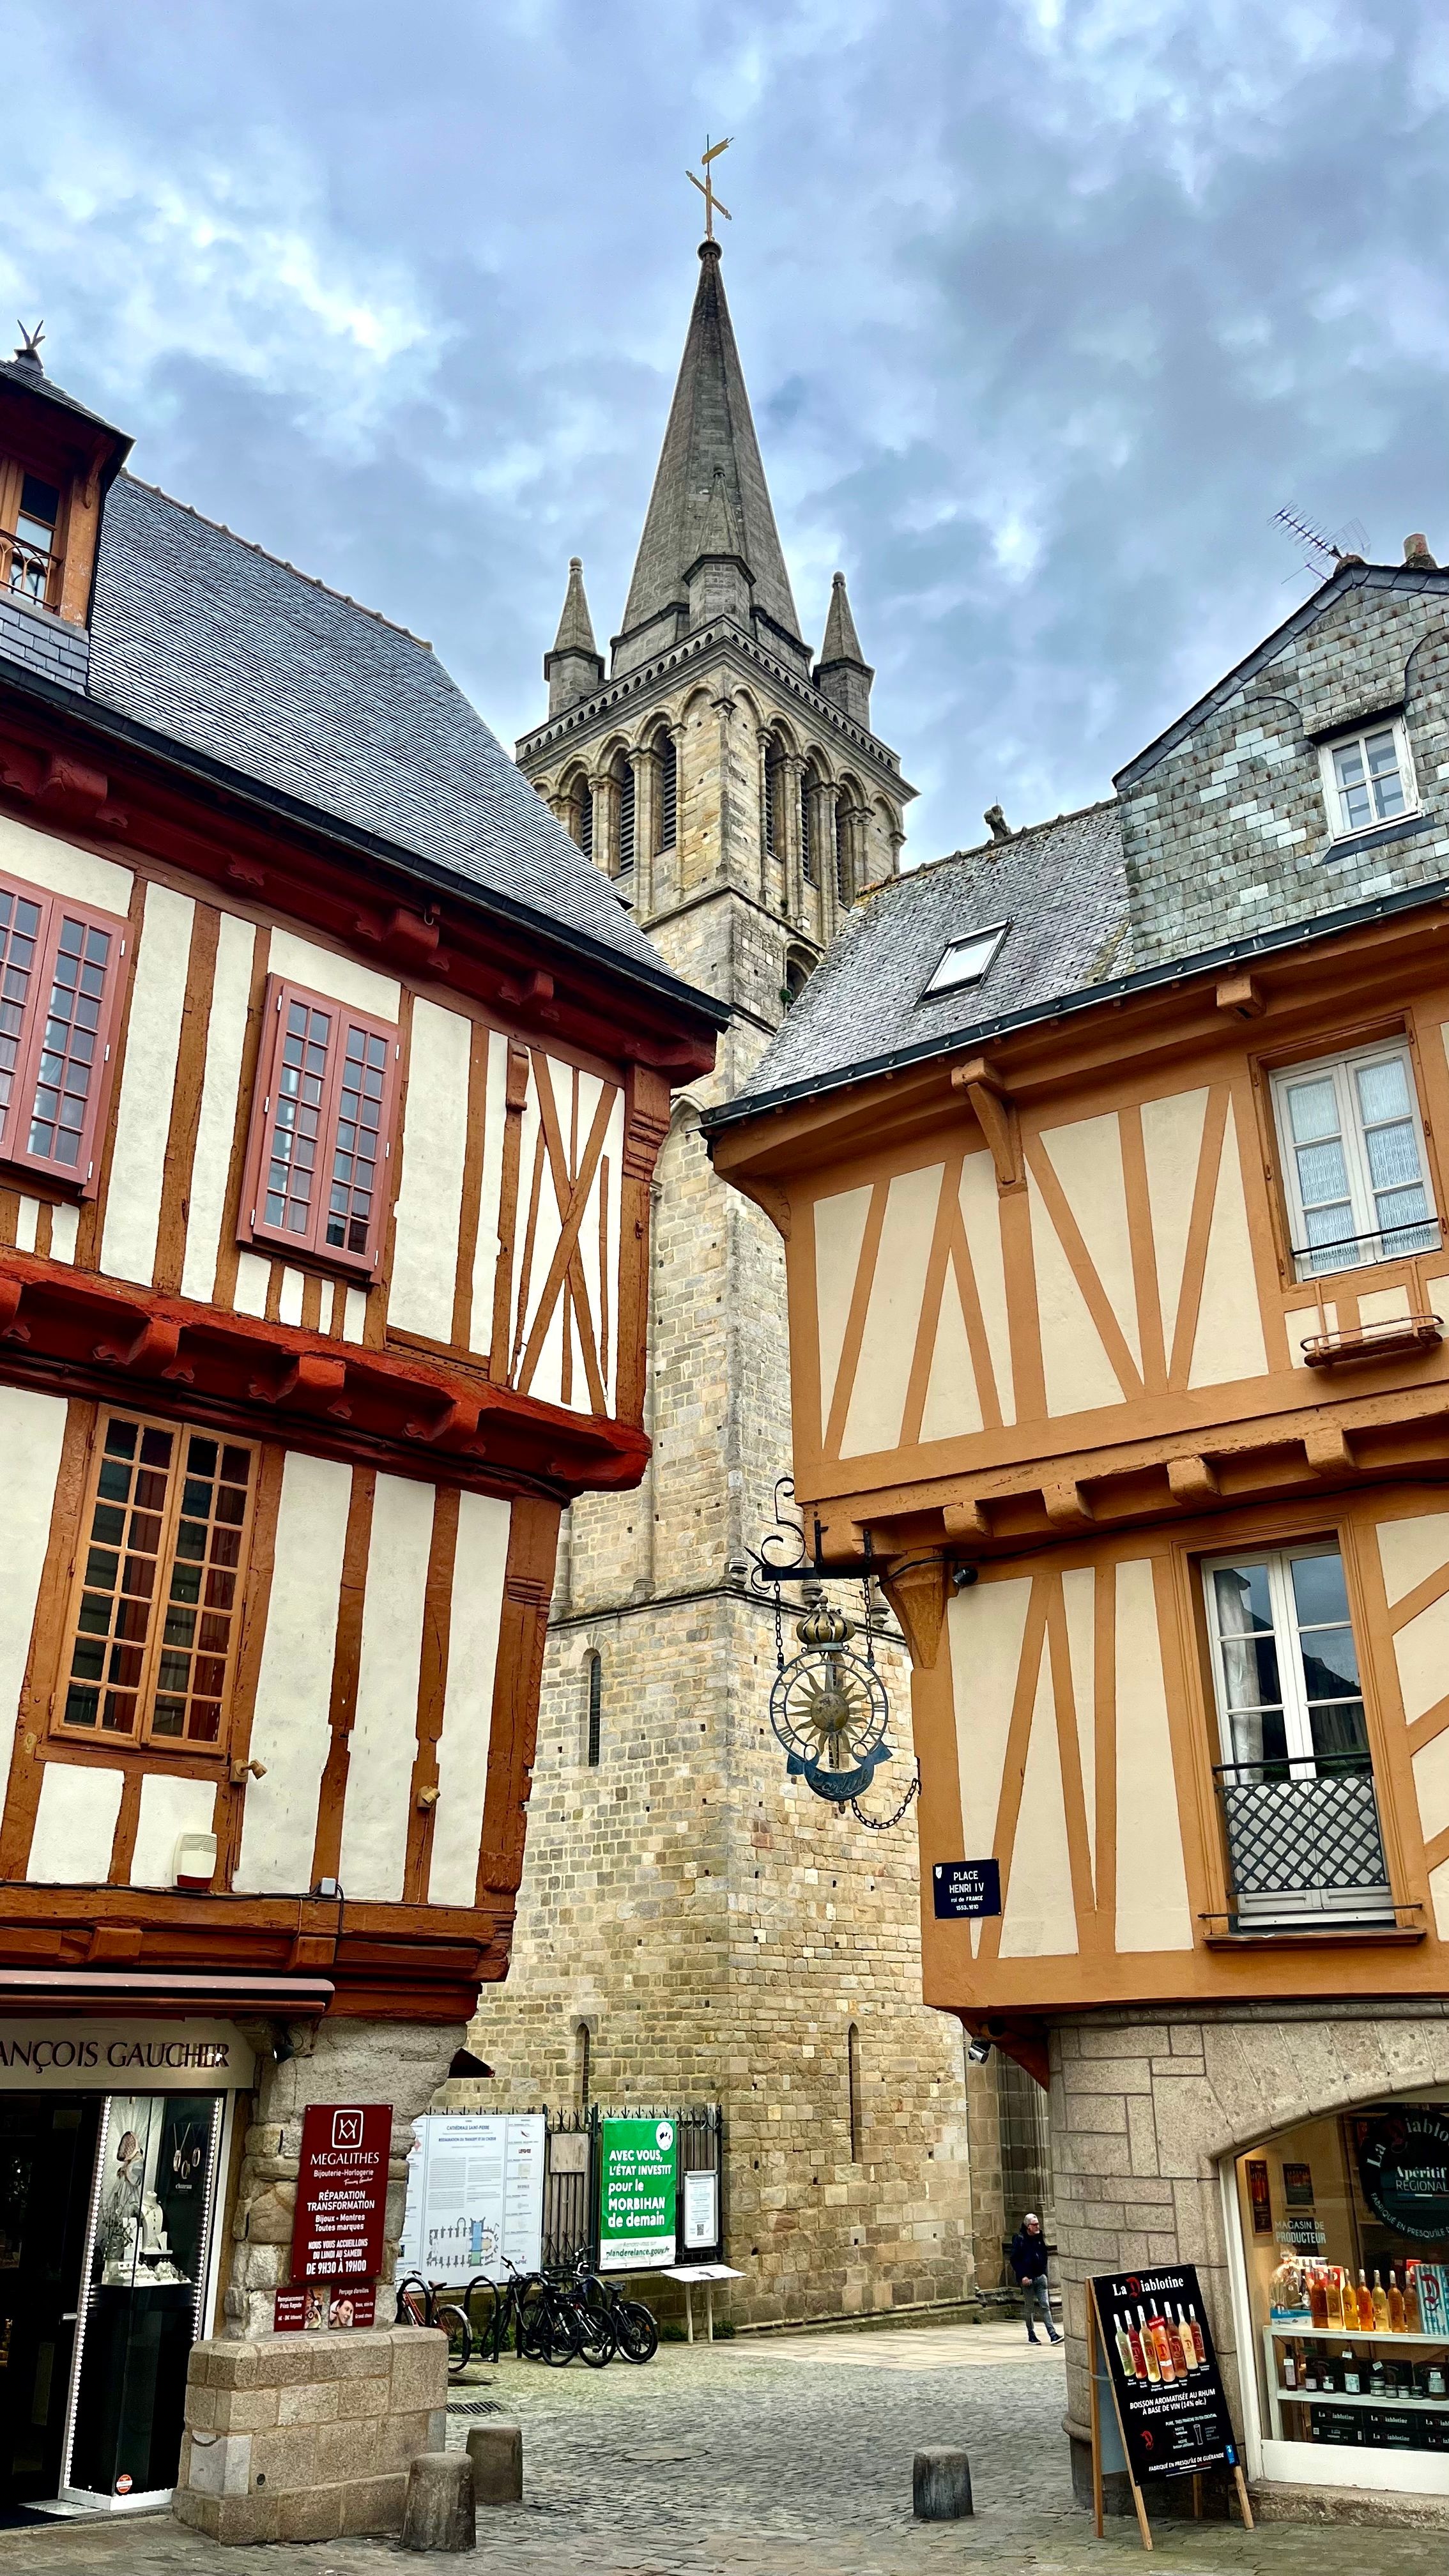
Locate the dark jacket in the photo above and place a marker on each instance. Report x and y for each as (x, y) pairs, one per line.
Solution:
(1028, 2255)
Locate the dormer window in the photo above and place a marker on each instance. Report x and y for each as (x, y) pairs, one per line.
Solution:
(965, 961)
(32, 548)
(1368, 779)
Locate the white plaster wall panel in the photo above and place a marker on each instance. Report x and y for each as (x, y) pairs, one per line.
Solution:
(1087, 1160)
(981, 1217)
(1421, 1652)
(1298, 1323)
(64, 1227)
(342, 979)
(1409, 1550)
(289, 1301)
(531, 1229)
(1439, 1898)
(477, 1605)
(1039, 1919)
(485, 1256)
(1077, 1372)
(1228, 1343)
(226, 1029)
(893, 1315)
(599, 1243)
(1152, 1907)
(290, 1729)
(253, 1279)
(383, 1744)
(32, 1428)
(148, 1079)
(354, 1314)
(27, 1217)
(63, 869)
(986, 1626)
(1383, 1305)
(1171, 1149)
(430, 1196)
(953, 1406)
(1079, 1594)
(1431, 1785)
(75, 1826)
(839, 1234)
(171, 1805)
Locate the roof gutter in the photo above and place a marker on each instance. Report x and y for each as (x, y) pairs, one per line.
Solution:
(1149, 979)
(108, 725)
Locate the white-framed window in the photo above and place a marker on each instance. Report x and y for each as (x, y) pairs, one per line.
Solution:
(1368, 778)
(965, 961)
(1354, 1161)
(1285, 1664)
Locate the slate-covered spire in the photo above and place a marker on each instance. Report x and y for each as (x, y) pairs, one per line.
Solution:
(842, 672)
(710, 438)
(575, 667)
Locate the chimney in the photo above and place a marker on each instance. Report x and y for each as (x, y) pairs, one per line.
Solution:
(1417, 555)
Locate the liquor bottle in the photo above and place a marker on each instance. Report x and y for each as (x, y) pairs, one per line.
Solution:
(1290, 2366)
(1376, 2379)
(1125, 2353)
(1308, 2377)
(1365, 2307)
(1413, 2319)
(1149, 2347)
(1317, 2299)
(1333, 2298)
(1396, 2305)
(1193, 2344)
(1352, 2375)
(1182, 2353)
(1166, 2366)
(1139, 2356)
(1381, 2307)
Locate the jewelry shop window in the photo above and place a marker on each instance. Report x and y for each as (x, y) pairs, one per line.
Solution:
(1354, 1161)
(151, 1639)
(321, 1141)
(1345, 2241)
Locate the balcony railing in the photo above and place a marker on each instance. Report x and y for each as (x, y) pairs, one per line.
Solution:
(1362, 1251)
(27, 568)
(1304, 1844)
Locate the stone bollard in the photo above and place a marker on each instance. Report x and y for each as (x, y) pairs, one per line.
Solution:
(496, 2451)
(439, 2513)
(941, 2486)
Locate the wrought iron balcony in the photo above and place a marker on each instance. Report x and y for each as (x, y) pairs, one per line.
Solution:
(1304, 1845)
(27, 568)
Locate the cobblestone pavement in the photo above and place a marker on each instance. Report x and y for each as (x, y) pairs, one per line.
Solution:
(769, 2457)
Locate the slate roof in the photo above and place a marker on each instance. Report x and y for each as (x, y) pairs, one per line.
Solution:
(205, 640)
(30, 373)
(1061, 887)
(710, 434)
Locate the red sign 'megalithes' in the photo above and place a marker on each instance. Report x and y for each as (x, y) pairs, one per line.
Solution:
(341, 2192)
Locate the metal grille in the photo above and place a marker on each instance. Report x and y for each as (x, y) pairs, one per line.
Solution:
(1304, 1845)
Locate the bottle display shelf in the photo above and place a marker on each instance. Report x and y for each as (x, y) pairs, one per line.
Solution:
(1284, 2331)
(1382, 2397)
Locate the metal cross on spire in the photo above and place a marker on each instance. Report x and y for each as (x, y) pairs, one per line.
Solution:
(706, 185)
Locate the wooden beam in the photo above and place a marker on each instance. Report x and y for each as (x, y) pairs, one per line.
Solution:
(995, 1115)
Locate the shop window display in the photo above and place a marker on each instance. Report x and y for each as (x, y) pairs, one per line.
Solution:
(1345, 2233)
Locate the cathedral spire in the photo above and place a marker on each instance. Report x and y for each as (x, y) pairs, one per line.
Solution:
(842, 672)
(575, 667)
(710, 442)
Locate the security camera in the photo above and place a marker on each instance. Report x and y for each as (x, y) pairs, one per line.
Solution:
(978, 2050)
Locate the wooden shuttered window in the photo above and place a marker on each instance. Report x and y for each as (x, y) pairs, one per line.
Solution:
(155, 1611)
(60, 980)
(320, 1154)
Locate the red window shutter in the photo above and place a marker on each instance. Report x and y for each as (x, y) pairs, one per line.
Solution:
(321, 1143)
(60, 981)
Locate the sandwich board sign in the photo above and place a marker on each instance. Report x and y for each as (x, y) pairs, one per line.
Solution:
(1161, 2371)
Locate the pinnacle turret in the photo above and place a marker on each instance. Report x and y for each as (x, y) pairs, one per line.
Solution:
(575, 667)
(842, 672)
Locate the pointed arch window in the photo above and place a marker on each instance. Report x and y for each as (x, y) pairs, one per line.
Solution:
(668, 793)
(807, 831)
(772, 790)
(852, 2077)
(624, 772)
(585, 810)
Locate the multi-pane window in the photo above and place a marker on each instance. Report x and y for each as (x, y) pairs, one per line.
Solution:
(1285, 1660)
(1353, 1156)
(59, 984)
(321, 1138)
(1369, 779)
(32, 549)
(151, 1649)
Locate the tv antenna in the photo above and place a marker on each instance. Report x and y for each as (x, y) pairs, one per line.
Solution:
(1324, 552)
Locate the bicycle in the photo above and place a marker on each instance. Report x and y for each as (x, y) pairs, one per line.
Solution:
(635, 2327)
(422, 2304)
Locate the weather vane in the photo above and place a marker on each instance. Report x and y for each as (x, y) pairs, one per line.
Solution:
(706, 185)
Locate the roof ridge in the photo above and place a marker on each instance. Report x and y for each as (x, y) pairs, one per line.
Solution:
(948, 858)
(311, 578)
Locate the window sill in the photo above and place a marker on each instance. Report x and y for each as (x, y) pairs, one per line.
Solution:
(359, 1270)
(1346, 845)
(1333, 1936)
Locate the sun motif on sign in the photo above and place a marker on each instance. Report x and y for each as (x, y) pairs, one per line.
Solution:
(829, 1708)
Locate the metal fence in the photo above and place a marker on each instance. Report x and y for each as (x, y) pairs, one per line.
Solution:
(1300, 1847)
(571, 2173)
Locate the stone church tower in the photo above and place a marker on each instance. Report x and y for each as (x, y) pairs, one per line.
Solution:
(693, 1926)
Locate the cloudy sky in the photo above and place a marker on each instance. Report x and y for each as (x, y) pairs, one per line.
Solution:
(1045, 307)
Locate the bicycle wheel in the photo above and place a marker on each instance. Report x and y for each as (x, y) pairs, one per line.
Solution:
(562, 2334)
(460, 2337)
(483, 2307)
(636, 2331)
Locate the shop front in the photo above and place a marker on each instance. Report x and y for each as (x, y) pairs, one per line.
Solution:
(1340, 2230)
(114, 2141)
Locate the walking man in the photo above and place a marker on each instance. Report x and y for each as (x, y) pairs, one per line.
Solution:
(1028, 2260)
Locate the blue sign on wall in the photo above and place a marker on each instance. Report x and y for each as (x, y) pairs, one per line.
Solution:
(966, 1887)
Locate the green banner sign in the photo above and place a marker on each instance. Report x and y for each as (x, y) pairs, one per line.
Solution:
(638, 2182)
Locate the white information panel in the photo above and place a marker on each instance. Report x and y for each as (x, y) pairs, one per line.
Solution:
(475, 2195)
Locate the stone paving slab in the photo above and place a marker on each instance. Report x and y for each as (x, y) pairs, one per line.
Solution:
(698, 2466)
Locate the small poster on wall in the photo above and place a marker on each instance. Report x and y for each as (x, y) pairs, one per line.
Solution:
(1298, 2186)
(475, 2195)
(1260, 2197)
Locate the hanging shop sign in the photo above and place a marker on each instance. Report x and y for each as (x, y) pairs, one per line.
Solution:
(1166, 2388)
(1403, 2163)
(341, 2192)
(65, 2056)
(638, 2194)
(965, 1890)
(475, 2195)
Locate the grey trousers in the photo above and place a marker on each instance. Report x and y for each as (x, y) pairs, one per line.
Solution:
(1036, 2305)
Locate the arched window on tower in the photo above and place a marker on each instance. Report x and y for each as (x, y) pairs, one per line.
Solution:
(807, 826)
(852, 2077)
(771, 791)
(594, 1668)
(624, 772)
(584, 808)
(583, 2070)
(668, 792)
(842, 874)
(798, 970)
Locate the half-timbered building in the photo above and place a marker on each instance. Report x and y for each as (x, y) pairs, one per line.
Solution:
(331, 1082)
(1110, 1162)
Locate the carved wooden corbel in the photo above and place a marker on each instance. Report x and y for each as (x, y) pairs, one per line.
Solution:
(917, 1588)
(1067, 1507)
(995, 1115)
(1240, 995)
(1328, 1451)
(1192, 1480)
(967, 1520)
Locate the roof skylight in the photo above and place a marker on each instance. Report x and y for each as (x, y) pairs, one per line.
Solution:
(965, 961)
